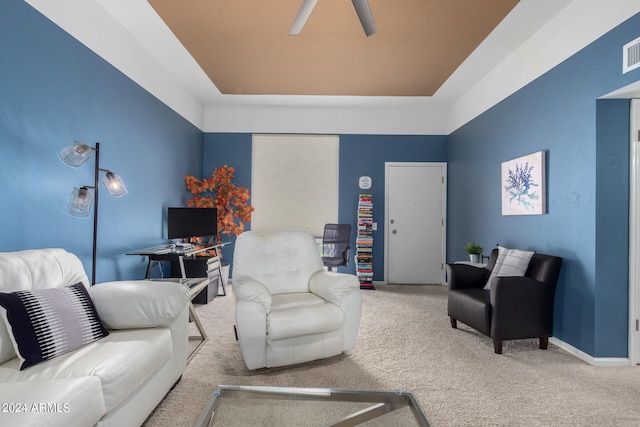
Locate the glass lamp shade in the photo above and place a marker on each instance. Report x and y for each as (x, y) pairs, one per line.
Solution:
(76, 154)
(80, 202)
(115, 185)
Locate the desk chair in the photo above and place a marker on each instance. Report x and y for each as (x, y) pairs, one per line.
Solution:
(336, 245)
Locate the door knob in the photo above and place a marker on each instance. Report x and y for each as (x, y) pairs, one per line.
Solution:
(393, 231)
(392, 222)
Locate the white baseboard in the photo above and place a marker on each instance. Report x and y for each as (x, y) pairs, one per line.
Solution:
(595, 361)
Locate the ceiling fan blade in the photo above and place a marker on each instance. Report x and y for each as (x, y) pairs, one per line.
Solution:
(364, 14)
(303, 14)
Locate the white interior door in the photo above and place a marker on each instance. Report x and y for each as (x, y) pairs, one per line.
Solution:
(634, 238)
(415, 204)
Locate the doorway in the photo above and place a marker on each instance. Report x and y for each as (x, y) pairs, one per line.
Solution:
(634, 238)
(415, 215)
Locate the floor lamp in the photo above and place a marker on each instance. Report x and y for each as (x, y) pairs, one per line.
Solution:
(81, 198)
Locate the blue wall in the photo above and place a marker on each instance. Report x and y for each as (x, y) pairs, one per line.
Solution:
(587, 187)
(53, 90)
(612, 226)
(232, 149)
(366, 155)
(359, 155)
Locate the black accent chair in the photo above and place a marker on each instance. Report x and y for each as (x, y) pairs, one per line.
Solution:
(514, 307)
(336, 245)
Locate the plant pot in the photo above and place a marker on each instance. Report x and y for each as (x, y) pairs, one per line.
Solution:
(474, 258)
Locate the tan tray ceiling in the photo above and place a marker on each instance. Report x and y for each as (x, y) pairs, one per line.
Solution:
(244, 46)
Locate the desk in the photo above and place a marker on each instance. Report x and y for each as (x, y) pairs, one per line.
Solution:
(171, 253)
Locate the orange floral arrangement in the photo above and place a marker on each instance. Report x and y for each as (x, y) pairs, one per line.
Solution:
(232, 201)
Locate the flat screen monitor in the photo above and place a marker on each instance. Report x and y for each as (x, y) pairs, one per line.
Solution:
(184, 223)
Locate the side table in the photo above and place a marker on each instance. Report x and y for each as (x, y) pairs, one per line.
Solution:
(171, 253)
(195, 287)
(473, 264)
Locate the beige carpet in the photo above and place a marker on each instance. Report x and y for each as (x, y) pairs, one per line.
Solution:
(406, 343)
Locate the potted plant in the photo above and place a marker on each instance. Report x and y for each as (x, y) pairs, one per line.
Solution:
(231, 201)
(474, 250)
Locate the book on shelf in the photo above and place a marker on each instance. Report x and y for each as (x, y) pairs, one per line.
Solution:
(364, 241)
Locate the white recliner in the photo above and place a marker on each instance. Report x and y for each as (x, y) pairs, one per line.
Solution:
(288, 308)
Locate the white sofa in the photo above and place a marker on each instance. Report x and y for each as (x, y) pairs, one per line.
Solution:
(289, 309)
(115, 381)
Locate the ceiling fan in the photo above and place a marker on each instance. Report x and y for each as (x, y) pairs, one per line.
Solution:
(361, 6)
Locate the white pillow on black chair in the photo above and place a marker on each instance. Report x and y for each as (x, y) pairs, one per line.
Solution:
(510, 262)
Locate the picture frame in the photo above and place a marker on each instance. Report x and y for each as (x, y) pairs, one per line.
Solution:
(523, 186)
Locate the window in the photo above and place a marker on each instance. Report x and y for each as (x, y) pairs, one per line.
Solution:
(294, 182)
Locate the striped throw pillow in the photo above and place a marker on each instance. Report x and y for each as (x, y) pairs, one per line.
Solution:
(46, 323)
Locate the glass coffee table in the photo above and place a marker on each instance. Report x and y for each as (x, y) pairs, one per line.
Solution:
(277, 406)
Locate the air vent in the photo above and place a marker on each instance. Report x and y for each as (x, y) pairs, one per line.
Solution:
(631, 56)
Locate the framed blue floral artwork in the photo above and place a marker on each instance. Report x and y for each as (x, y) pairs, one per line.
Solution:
(523, 185)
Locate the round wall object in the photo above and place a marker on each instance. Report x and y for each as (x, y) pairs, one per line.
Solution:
(365, 182)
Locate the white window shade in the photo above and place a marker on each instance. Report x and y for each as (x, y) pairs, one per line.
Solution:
(294, 182)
